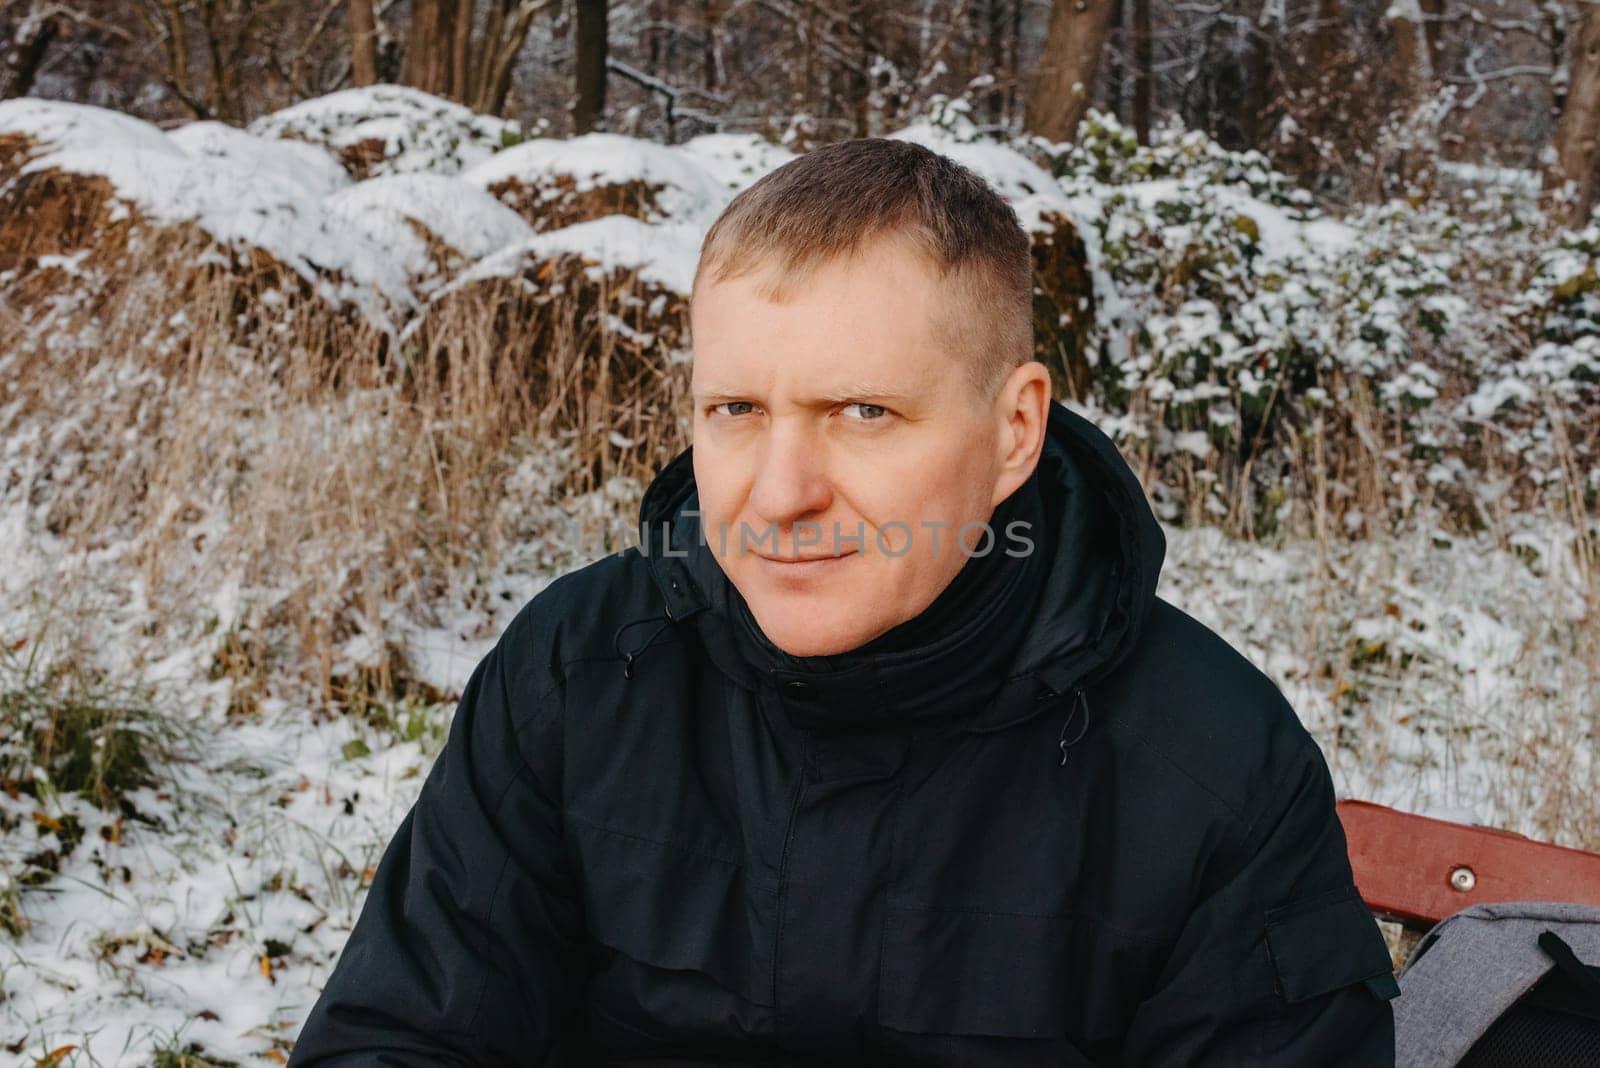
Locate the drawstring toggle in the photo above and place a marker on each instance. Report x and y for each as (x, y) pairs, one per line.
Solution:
(1078, 697)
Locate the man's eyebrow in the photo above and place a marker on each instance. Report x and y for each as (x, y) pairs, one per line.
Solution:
(856, 391)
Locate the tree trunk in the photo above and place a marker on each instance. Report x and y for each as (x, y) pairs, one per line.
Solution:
(1067, 67)
(1416, 47)
(999, 64)
(1328, 40)
(1144, 77)
(1255, 102)
(1433, 33)
(710, 15)
(652, 57)
(503, 40)
(1117, 60)
(461, 57)
(861, 57)
(363, 43)
(1014, 89)
(25, 58)
(589, 107)
(1577, 141)
(431, 46)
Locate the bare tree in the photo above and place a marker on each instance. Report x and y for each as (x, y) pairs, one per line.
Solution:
(1577, 140)
(1143, 76)
(485, 82)
(1067, 68)
(466, 50)
(1416, 25)
(430, 46)
(26, 40)
(363, 43)
(589, 105)
(204, 47)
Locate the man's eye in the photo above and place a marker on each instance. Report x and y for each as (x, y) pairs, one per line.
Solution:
(869, 412)
(745, 407)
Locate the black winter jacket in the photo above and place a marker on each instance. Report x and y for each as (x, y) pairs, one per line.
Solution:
(638, 848)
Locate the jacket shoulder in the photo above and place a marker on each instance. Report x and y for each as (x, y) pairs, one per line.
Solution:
(1220, 722)
(576, 615)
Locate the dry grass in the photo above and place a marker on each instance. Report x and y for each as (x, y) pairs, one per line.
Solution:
(583, 356)
(559, 201)
(306, 456)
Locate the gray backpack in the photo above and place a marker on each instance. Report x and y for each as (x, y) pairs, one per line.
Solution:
(1509, 983)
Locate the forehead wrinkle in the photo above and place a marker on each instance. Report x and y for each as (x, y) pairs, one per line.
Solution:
(859, 392)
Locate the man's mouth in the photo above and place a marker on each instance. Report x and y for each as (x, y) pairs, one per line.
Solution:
(805, 561)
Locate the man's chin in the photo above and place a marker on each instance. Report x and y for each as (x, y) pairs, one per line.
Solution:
(815, 637)
(814, 645)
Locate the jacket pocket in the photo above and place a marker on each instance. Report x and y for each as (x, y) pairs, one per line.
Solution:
(670, 909)
(1327, 942)
(972, 972)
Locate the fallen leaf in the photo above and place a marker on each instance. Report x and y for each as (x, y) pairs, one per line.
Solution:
(53, 1058)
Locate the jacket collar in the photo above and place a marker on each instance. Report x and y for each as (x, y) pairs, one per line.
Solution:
(1098, 588)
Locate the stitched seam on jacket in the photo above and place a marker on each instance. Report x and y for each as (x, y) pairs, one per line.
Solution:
(782, 901)
(612, 1018)
(667, 844)
(888, 909)
(524, 667)
(1071, 914)
(494, 896)
(1307, 748)
(1234, 814)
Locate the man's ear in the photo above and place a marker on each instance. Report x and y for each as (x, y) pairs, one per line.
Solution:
(1022, 409)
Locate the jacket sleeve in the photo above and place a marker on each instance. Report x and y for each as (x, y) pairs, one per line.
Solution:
(1280, 962)
(469, 948)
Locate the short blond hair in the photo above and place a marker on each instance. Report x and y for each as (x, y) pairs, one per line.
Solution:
(834, 198)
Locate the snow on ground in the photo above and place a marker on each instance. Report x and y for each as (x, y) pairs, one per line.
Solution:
(206, 913)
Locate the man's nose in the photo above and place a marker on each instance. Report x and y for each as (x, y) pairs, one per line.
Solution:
(791, 483)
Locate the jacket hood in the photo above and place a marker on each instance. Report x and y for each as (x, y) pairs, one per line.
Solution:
(1106, 554)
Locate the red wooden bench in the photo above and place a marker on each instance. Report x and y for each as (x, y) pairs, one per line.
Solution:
(1418, 870)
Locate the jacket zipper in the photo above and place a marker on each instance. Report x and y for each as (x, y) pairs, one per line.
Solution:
(783, 875)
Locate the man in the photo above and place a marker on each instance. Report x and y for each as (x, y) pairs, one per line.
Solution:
(811, 776)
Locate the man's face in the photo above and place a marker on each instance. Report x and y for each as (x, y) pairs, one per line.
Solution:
(838, 413)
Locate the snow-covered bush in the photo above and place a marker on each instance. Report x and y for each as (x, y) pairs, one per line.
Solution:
(1105, 152)
(393, 129)
(1236, 327)
(553, 183)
